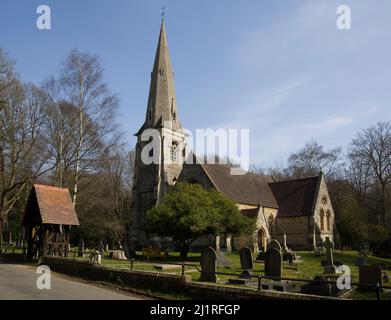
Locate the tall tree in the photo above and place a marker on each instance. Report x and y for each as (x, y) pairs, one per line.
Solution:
(312, 159)
(85, 114)
(188, 211)
(370, 154)
(23, 152)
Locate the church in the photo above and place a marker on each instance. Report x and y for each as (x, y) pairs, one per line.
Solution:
(298, 212)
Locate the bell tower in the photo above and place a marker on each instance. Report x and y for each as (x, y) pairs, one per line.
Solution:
(151, 180)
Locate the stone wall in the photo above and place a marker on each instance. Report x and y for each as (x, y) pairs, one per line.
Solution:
(169, 283)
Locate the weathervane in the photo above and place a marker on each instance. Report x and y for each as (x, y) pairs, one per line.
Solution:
(163, 12)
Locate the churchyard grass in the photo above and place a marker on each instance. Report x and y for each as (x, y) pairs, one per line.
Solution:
(308, 267)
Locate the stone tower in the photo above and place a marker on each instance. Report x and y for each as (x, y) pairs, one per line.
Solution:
(151, 180)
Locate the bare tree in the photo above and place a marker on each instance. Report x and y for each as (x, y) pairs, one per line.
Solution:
(23, 153)
(370, 153)
(85, 113)
(312, 159)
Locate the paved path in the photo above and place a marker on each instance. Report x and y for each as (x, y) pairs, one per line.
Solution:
(18, 282)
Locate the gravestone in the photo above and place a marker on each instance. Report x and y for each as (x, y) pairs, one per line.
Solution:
(274, 244)
(222, 260)
(273, 263)
(288, 256)
(246, 261)
(96, 257)
(285, 246)
(208, 265)
(81, 249)
(362, 259)
(229, 245)
(329, 267)
(369, 275)
(100, 247)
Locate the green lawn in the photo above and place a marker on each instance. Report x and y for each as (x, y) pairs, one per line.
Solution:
(307, 268)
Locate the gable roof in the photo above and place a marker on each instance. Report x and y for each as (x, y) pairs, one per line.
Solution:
(50, 205)
(296, 197)
(248, 188)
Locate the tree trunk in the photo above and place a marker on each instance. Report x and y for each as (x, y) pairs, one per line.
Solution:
(184, 249)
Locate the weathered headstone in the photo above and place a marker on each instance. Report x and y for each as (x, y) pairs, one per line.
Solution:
(222, 260)
(81, 249)
(208, 265)
(285, 245)
(330, 267)
(98, 257)
(229, 245)
(369, 275)
(246, 261)
(100, 247)
(274, 244)
(273, 263)
(288, 256)
(362, 259)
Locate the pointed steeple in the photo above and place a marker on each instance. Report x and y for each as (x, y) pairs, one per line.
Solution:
(162, 100)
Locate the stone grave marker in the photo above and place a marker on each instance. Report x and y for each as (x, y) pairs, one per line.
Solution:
(285, 246)
(208, 265)
(222, 260)
(246, 261)
(274, 244)
(362, 259)
(273, 263)
(329, 267)
(369, 275)
(100, 247)
(81, 249)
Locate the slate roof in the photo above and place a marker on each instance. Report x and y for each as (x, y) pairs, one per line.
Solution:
(248, 188)
(295, 197)
(50, 205)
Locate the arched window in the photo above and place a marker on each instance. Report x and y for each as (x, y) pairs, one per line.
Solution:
(271, 225)
(328, 222)
(174, 151)
(321, 219)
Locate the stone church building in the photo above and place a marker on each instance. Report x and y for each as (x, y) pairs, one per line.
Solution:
(298, 210)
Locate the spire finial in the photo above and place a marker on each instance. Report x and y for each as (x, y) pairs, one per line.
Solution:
(163, 12)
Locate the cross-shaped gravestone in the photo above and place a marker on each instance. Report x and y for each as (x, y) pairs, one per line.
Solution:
(330, 267)
(329, 245)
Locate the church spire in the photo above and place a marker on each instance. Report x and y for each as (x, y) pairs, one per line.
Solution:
(162, 100)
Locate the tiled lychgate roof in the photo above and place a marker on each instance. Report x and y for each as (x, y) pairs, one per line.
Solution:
(54, 205)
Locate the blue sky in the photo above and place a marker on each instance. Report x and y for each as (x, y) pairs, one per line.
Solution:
(280, 68)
